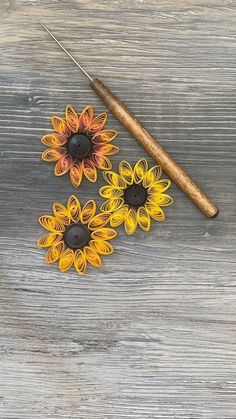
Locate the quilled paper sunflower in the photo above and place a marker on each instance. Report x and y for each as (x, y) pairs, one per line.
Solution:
(76, 236)
(80, 145)
(134, 196)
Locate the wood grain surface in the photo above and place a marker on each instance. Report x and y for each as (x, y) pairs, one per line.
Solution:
(152, 334)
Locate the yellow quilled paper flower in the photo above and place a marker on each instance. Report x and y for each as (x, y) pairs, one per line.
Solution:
(76, 236)
(80, 144)
(134, 196)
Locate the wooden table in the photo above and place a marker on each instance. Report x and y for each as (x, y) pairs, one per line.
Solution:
(152, 334)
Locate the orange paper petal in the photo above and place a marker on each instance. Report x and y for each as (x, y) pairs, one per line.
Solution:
(101, 162)
(53, 154)
(88, 211)
(54, 252)
(89, 170)
(92, 257)
(60, 126)
(72, 119)
(104, 136)
(102, 247)
(99, 220)
(76, 174)
(61, 213)
(73, 208)
(80, 262)
(66, 260)
(98, 123)
(86, 118)
(63, 165)
(106, 149)
(51, 223)
(54, 140)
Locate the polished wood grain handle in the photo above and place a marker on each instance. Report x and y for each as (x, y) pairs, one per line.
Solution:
(154, 148)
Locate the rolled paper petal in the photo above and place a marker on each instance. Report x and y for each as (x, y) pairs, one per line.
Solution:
(98, 221)
(53, 154)
(160, 186)
(126, 172)
(73, 208)
(80, 262)
(111, 204)
(143, 219)
(54, 252)
(86, 118)
(130, 222)
(97, 124)
(104, 136)
(152, 176)
(76, 174)
(92, 257)
(140, 170)
(60, 126)
(161, 200)
(50, 223)
(154, 211)
(88, 211)
(54, 140)
(66, 260)
(104, 234)
(106, 149)
(114, 179)
(63, 165)
(101, 162)
(72, 119)
(102, 247)
(110, 192)
(49, 239)
(89, 170)
(61, 213)
(118, 217)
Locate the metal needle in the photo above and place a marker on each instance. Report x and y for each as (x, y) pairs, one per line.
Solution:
(69, 55)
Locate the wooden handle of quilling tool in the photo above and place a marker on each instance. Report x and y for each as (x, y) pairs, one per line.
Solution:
(131, 123)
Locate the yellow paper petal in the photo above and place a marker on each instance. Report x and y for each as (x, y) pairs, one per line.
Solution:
(60, 126)
(101, 162)
(53, 154)
(66, 260)
(86, 118)
(104, 136)
(111, 192)
(54, 252)
(111, 204)
(73, 208)
(104, 234)
(130, 222)
(152, 176)
(161, 200)
(100, 220)
(54, 140)
(118, 216)
(76, 174)
(92, 257)
(88, 211)
(114, 179)
(61, 213)
(63, 165)
(126, 172)
(154, 211)
(80, 262)
(97, 124)
(160, 186)
(102, 247)
(106, 149)
(72, 119)
(50, 223)
(143, 219)
(140, 170)
(89, 170)
(49, 239)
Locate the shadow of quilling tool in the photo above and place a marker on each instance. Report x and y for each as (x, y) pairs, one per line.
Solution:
(147, 141)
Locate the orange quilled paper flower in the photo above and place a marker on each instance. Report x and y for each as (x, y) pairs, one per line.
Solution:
(134, 196)
(80, 145)
(76, 236)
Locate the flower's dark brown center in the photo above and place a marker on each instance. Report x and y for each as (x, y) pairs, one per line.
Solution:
(76, 235)
(80, 146)
(135, 195)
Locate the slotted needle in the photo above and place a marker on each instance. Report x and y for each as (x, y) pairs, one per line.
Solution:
(148, 142)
